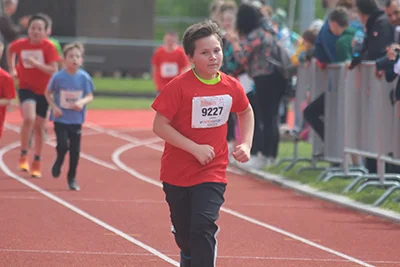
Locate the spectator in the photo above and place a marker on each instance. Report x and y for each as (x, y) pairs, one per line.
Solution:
(379, 35)
(306, 48)
(214, 7)
(227, 17)
(288, 38)
(252, 52)
(339, 26)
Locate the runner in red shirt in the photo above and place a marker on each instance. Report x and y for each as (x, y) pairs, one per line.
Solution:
(192, 111)
(7, 92)
(168, 61)
(37, 61)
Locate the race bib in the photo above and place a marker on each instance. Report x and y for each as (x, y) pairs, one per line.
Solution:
(37, 54)
(68, 98)
(169, 70)
(210, 111)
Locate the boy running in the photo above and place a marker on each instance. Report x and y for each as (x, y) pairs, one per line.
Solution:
(7, 92)
(68, 93)
(58, 47)
(168, 61)
(192, 111)
(37, 61)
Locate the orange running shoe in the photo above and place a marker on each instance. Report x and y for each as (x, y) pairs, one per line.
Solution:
(23, 163)
(35, 172)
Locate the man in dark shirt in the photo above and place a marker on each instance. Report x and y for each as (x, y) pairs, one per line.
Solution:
(379, 36)
(8, 30)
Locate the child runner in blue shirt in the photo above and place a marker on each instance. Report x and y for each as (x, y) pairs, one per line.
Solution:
(68, 93)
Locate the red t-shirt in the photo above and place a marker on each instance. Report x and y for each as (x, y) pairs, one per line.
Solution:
(7, 90)
(29, 77)
(190, 105)
(168, 65)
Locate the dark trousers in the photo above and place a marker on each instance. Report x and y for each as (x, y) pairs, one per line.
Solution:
(312, 114)
(231, 127)
(194, 211)
(68, 138)
(257, 137)
(269, 93)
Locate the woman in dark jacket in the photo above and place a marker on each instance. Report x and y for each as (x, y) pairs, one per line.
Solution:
(253, 48)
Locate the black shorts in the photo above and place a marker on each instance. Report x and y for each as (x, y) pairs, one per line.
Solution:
(40, 100)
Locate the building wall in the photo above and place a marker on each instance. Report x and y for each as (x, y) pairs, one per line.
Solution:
(107, 20)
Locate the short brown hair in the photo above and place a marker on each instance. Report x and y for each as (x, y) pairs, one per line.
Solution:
(197, 31)
(46, 17)
(310, 36)
(340, 16)
(71, 46)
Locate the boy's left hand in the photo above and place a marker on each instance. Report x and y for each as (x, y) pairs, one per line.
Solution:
(242, 153)
(78, 106)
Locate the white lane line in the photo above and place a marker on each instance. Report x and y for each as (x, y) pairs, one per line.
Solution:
(83, 155)
(116, 159)
(75, 209)
(104, 253)
(132, 139)
(137, 201)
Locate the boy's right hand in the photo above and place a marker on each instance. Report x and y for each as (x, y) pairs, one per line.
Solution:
(204, 154)
(14, 74)
(57, 112)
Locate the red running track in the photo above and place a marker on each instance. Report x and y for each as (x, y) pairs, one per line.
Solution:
(119, 218)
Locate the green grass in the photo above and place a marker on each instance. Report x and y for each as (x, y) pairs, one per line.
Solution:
(335, 185)
(120, 103)
(124, 85)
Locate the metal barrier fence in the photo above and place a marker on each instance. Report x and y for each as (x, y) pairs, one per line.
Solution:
(359, 119)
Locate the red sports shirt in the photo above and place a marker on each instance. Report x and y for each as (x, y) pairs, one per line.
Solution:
(168, 65)
(7, 90)
(29, 77)
(190, 105)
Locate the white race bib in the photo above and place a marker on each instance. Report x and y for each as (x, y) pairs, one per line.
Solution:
(37, 54)
(210, 111)
(169, 69)
(68, 98)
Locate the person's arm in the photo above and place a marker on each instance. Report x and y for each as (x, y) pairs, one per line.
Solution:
(167, 105)
(51, 56)
(57, 112)
(11, 58)
(163, 129)
(49, 97)
(246, 125)
(88, 95)
(50, 68)
(83, 101)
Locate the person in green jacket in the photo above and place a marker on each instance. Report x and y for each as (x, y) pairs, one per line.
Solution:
(339, 22)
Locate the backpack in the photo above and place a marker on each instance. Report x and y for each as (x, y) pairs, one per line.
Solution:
(281, 60)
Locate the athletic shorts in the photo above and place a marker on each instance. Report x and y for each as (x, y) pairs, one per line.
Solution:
(41, 103)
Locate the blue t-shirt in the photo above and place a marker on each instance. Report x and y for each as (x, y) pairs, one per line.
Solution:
(67, 89)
